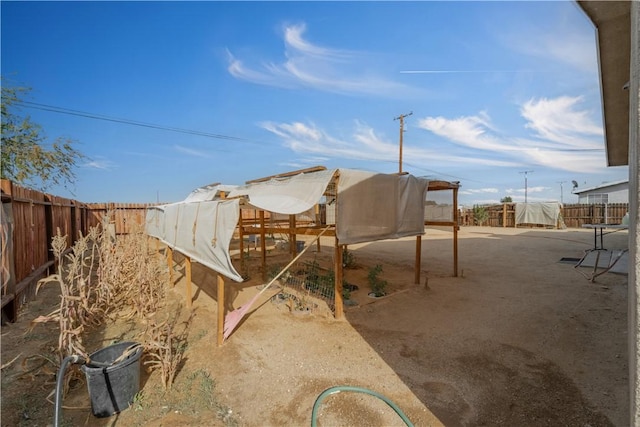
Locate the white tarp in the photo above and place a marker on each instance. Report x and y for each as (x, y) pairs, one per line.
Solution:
(208, 192)
(370, 207)
(199, 230)
(379, 206)
(543, 213)
(290, 195)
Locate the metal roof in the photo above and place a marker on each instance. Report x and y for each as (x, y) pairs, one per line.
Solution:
(598, 187)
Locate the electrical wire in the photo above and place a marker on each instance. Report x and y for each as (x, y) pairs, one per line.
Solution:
(61, 110)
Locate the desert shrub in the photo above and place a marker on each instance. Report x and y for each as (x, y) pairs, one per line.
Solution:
(165, 345)
(480, 214)
(378, 285)
(348, 259)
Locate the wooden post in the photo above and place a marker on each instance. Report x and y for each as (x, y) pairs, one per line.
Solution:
(318, 246)
(504, 215)
(188, 275)
(263, 246)
(418, 257)
(338, 275)
(170, 264)
(293, 247)
(240, 233)
(455, 232)
(220, 309)
(338, 279)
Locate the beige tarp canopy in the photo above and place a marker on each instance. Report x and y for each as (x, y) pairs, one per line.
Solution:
(368, 206)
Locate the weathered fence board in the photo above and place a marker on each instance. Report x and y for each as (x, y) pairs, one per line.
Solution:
(35, 218)
(574, 216)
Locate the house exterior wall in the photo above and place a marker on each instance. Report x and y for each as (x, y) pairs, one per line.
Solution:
(634, 218)
(618, 193)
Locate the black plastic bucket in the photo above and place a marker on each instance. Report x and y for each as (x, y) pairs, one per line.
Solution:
(113, 388)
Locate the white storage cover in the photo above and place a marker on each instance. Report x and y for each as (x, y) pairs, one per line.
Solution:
(379, 206)
(543, 213)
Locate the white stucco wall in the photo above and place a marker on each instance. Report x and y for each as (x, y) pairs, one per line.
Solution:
(634, 218)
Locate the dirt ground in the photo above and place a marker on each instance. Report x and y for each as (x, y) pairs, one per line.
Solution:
(517, 339)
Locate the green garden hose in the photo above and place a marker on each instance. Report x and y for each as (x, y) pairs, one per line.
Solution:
(340, 388)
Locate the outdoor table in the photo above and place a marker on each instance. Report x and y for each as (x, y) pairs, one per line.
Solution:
(600, 248)
(601, 227)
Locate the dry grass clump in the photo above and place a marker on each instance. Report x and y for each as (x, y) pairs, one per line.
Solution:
(103, 278)
(165, 346)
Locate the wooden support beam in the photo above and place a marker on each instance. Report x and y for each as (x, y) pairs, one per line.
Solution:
(170, 264)
(339, 303)
(418, 258)
(306, 231)
(241, 242)
(263, 247)
(504, 215)
(220, 287)
(293, 247)
(188, 276)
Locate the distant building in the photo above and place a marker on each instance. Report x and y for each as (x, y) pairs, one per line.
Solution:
(610, 192)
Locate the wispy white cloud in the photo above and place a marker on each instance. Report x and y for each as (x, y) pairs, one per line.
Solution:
(100, 163)
(308, 65)
(363, 143)
(536, 189)
(557, 42)
(558, 120)
(473, 191)
(563, 136)
(191, 151)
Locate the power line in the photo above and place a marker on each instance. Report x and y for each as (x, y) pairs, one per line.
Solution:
(401, 118)
(78, 113)
(525, 184)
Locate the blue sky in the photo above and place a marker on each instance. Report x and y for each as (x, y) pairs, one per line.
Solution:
(495, 89)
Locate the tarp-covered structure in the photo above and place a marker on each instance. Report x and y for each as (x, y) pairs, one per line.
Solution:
(542, 213)
(368, 206)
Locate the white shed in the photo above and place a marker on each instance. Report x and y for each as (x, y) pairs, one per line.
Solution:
(610, 192)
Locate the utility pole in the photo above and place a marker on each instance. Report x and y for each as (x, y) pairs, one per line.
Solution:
(561, 197)
(401, 118)
(525, 184)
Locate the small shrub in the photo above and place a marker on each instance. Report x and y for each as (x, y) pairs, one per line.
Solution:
(348, 259)
(378, 285)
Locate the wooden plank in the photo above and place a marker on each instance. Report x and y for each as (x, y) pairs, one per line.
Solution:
(220, 286)
(263, 247)
(188, 295)
(339, 303)
(306, 231)
(170, 264)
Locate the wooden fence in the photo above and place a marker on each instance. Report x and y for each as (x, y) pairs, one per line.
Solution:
(30, 219)
(574, 216)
